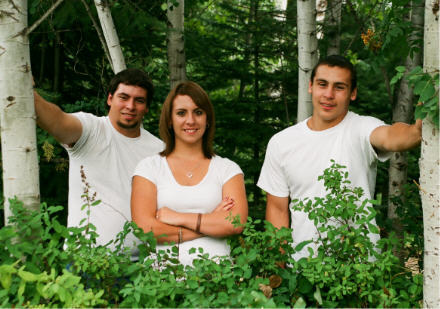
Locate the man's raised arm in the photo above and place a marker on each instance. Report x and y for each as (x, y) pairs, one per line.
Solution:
(66, 128)
(397, 137)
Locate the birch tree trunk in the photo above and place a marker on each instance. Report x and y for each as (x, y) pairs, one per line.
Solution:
(403, 112)
(111, 36)
(429, 169)
(333, 22)
(307, 54)
(175, 42)
(17, 114)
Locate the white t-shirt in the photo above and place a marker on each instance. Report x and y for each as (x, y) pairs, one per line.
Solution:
(203, 197)
(108, 159)
(296, 156)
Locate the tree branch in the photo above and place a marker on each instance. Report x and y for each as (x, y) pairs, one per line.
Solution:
(99, 32)
(42, 18)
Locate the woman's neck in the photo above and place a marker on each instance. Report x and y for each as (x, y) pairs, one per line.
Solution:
(188, 151)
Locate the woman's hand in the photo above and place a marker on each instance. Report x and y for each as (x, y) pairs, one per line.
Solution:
(168, 216)
(225, 205)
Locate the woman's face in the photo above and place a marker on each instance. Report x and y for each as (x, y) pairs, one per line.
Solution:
(188, 120)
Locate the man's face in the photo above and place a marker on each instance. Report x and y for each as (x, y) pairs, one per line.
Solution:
(331, 95)
(128, 105)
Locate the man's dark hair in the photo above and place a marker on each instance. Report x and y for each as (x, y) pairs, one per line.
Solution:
(337, 61)
(133, 77)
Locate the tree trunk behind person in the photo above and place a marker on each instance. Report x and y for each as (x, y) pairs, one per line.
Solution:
(429, 169)
(307, 54)
(111, 36)
(17, 115)
(257, 111)
(247, 51)
(175, 42)
(333, 23)
(403, 112)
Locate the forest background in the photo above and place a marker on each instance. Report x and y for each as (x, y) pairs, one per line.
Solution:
(245, 55)
(249, 56)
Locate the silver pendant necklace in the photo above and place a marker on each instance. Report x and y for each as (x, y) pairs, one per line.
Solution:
(190, 174)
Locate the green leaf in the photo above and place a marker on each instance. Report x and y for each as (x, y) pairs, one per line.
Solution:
(5, 280)
(302, 244)
(317, 295)
(300, 303)
(427, 93)
(401, 69)
(396, 78)
(27, 276)
(373, 228)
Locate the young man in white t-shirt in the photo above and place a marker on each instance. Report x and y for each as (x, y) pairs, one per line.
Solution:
(296, 156)
(104, 150)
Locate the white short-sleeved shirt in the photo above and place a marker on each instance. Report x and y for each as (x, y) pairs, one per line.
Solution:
(296, 156)
(201, 198)
(108, 159)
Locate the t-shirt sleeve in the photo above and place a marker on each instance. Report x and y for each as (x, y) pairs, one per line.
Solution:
(228, 170)
(369, 124)
(147, 169)
(83, 144)
(272, 177)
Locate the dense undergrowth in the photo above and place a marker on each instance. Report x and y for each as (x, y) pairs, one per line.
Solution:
(45, 264)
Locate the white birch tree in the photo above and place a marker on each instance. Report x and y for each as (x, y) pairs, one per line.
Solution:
(17, 114)
(175, 41)
(111, 36)
(429, 169)
(307, 54)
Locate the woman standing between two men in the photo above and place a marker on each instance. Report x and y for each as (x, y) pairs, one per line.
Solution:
(186, 193)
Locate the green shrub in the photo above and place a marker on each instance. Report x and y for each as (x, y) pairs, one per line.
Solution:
(45, 264)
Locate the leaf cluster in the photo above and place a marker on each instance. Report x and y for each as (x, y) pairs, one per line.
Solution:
(348, 267)
(43, 263)
(426, 86)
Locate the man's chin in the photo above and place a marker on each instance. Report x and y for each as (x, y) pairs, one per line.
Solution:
(128, 126)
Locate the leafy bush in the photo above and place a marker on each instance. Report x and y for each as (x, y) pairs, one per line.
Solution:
(45, 264)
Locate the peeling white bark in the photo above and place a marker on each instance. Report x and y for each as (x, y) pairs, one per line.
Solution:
(307, 54)
(17, 113)
(111, 36)
(429, 170)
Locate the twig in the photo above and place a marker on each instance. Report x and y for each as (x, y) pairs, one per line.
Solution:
(418, 186)
(42, 18)
(99, 32)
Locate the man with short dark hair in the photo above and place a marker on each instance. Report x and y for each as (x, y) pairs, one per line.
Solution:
(296, 156)
(104, 151)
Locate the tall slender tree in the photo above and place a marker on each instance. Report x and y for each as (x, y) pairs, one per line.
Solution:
(175, 41)
(333, 23)
(111, 36)
(307, 54)
(403, 112)
(429, 168)
(17, 114)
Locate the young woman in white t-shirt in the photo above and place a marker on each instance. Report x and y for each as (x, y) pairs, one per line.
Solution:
(186, 194)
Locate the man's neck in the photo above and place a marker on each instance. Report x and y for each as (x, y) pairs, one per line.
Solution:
(316, 123)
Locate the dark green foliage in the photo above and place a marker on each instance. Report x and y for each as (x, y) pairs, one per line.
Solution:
(348, 268)
(43, 263)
